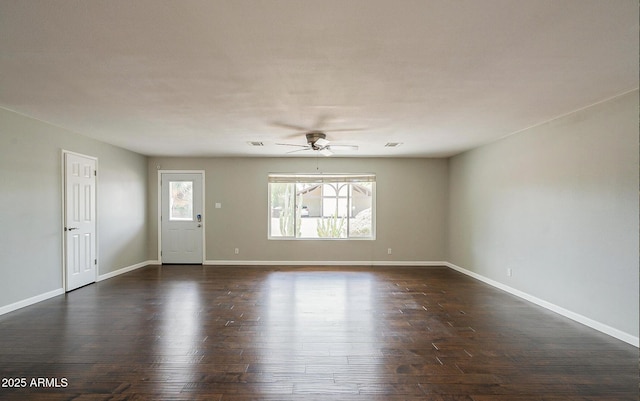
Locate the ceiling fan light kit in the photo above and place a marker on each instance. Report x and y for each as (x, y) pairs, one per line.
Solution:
(317, 141)
(325, 151)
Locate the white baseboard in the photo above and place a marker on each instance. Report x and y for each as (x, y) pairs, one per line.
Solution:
(407, 263)
(623, 336)
(606, 329)
(126, 270)
(30, 301)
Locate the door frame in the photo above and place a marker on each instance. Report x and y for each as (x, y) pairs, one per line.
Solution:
(159, 204)
(63, 222)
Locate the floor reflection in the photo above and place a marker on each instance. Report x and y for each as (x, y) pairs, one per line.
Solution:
(179, 335)
(321, 324)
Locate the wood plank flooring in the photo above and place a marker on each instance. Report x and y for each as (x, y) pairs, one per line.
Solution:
(312, 333)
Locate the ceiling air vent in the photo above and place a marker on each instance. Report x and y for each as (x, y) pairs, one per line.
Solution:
(255, 143)
(392, 144)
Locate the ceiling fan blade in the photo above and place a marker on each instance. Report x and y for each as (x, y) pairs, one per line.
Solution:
(321, 121)
(291, 144)
(352, 147)
(295, 135)
(345, 130)
(325, 151)
(290, 126)
(299, 150)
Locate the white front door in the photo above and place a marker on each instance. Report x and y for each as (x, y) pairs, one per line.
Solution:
(80, 220)
(182, 218)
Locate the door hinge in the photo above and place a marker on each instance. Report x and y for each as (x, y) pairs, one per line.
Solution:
(95, 173)
(95, 261)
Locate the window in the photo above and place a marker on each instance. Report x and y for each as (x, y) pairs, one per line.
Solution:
(181, 200)
(322, 206)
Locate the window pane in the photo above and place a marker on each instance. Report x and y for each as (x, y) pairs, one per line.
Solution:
(181, 200)
(311, 198)
(328, 207)
(361, 224)
(309, 208)
(343, 207)
(282, 210)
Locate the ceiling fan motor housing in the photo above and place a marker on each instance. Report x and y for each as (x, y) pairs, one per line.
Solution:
(313, 137)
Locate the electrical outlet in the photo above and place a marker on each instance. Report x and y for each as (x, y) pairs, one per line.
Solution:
(509, 272)
(388, 251)
(237, 251)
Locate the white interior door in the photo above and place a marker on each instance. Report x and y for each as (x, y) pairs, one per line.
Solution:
(182, 218)
(80, 220)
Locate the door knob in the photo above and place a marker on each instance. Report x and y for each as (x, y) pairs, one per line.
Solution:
(71, 228)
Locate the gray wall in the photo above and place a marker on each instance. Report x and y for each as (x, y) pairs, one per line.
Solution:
(558, 204)
(31, 205)
(411, 209)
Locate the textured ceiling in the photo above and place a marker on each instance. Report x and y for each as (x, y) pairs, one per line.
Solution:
(203, 78)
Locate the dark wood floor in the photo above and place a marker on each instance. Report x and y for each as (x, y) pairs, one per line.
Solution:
(243, 333)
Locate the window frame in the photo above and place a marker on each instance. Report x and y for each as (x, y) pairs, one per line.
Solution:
(342, 178)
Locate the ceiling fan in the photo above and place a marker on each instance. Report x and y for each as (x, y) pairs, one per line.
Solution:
(317, 142)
